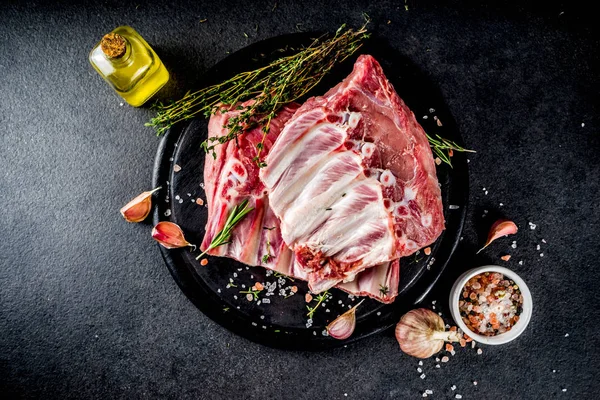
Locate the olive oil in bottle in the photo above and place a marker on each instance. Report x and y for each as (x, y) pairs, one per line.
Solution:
(129, 65)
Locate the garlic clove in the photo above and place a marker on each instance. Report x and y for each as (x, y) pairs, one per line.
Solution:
(421, 333)
(138, 209)
(169, 235)
(343, 326)
(500, 228)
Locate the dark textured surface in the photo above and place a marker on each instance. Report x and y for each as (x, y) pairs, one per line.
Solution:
(88, 309)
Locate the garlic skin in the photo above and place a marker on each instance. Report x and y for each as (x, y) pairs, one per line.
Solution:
(343, 326)
(421, 333)
(138, 209)
(169, 235)
(502, 227)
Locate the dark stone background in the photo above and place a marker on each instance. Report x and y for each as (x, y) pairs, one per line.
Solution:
(87, 307)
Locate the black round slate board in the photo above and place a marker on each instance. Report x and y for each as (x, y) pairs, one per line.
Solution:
(282, 322)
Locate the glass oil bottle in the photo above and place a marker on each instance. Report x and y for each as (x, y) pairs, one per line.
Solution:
(129, 65)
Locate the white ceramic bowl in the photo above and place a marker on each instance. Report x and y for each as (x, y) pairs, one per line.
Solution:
(502, 338)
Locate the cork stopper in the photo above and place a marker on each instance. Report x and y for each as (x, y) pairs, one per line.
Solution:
(113, 45)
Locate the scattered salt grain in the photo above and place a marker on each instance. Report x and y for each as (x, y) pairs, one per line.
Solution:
(468, 161)
(121, 104)
(521, 262)
(543, 240)
(345, 394)
(176, 168)
(538, 247)
(433, 301)
(420, 362)
(479, 351)
(218, 290)
(454, 207)
(266, 301)
(424, 395)
(419, 370)
(425, 117)
(452, 352)
(566, 335)
(474, 383)
(486, 192)
(327, 310)
(436, 360)
(431, 110)
(473, 344)
(532, 226)
(180, 201)
(553, 371)
(177, 197)
(315, 333)
(514, 244)
(168, 212)
(453, 387)
(582, 124)
(264, 327)
(501, 204)
(428, 391)
(564, 390)
(437, 365)
(235, 297)
(254, 324)
(378, 313)
(422, 376)
(445, 359)
(235, 275)
(458, 396)
(541, 254)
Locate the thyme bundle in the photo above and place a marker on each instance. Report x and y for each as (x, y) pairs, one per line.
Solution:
(271, 87)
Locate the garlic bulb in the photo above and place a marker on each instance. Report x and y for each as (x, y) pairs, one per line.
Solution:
(138, 209)
(169, 235)
(500, 228)
(343, 326)
(421, 333)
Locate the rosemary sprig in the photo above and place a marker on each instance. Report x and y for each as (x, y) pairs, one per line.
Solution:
(280, 275)
(320, 299)
(271, 87)
(441, 146)
(236, 215)
(384, 290)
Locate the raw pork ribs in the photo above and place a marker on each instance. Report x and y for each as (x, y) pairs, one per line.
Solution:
(352, 179)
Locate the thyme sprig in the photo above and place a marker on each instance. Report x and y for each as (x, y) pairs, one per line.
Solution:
(236, 215)
(271, 87)
(320, 299)
(441, 148)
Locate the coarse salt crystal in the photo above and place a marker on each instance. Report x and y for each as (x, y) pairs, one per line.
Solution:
(486, 192)
(433, 301)
(453, 207)
(432, 110)
(425, 117)
(582, 124)
(541, 254)
(378, 313)
(235, 274)
(479, 351)
(445, 359)
(521, 262)
(458, 396)
(543, 240)
(501, 204)
(538, 247)
(167, 213)
(180, 201)
(566, 335)
(422, 376)
(420, 362)
(453, 387)
(474, 383)
(564, 390)
(437, 359)
(419, 370)
(428, 391)
(254, 324)
(437, 365)
(424, 395)
(553, 371)
(177, 197)
(532, 226)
